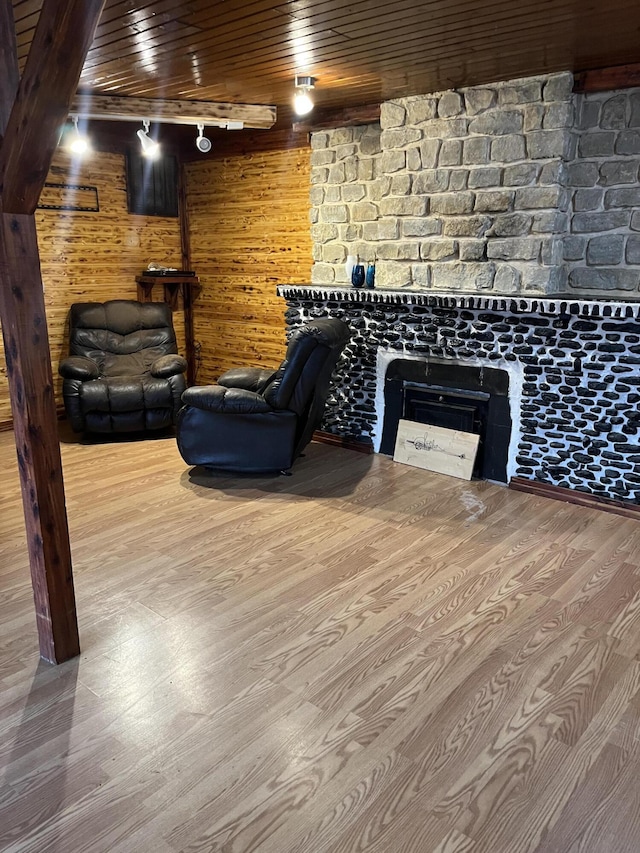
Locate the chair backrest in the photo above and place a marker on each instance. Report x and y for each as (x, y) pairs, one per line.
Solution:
(123, 336)
(301, 383)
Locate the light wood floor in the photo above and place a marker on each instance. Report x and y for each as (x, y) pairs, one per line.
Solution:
(361, 657)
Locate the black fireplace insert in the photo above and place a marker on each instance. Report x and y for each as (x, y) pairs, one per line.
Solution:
(454, 396)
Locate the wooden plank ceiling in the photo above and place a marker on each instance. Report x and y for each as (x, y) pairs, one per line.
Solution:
(361, 52)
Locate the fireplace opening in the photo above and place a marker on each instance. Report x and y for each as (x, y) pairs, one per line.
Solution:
(454, 396)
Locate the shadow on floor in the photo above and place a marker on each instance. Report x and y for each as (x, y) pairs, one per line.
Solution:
(48, 713)
(67, 436)
(312, 475)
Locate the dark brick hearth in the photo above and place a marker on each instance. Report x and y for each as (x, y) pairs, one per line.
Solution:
(574, 373)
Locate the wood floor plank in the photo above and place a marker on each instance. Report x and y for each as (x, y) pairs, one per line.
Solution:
(553, 783)
(361, 658)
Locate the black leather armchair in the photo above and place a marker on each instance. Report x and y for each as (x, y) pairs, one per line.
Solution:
(259, 420)
(124, 373)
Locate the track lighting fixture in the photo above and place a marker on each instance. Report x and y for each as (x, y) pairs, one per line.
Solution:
(150, 148)
(302, 102)
(202, 143)
(78, 143)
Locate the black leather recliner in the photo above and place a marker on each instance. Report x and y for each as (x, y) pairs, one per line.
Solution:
(258, 420)
(124, 373)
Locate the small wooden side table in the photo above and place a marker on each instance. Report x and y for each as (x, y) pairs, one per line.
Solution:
(189, 286)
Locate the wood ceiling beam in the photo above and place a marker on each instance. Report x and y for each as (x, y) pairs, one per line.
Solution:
(116, 108)
(607, 79)
(31, 112)
(326, 118)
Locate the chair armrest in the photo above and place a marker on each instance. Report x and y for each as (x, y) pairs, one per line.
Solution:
(78, 367)
(217, 398)
(249, 378)
(168, 365)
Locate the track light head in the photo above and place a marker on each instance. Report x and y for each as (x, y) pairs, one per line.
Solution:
(150, 148)
(202, 143)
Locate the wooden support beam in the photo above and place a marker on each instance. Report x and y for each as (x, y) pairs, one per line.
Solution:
(606, 79)
(31, 113)
(26, 346)
(63, 35)
(325, 119)
(117, 108)
(9, 76)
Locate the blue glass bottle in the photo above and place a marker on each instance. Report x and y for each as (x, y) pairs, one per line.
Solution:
(370, 277)
(358, 275)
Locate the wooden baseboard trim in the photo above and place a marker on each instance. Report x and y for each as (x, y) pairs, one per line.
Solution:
(339, 441)
(559, 493)
(7, 426)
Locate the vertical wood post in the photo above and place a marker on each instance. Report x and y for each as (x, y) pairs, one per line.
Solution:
(31, 112)
(9, 77)
(188, 293)
(26, 346)
(183, 216)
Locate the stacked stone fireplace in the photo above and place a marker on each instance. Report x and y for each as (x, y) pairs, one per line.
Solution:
(521, 187)
(504, 223)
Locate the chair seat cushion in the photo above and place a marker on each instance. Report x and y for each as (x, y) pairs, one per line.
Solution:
(128, 364)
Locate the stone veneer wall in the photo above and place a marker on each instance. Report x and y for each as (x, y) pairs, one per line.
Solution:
(574, 368)
(514, 187)
(602, 249)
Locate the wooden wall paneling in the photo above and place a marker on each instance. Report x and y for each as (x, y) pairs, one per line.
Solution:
(89, 257)
(249, 232)
(233, 143)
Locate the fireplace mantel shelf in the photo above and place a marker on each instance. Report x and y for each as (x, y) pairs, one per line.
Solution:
(554, 305)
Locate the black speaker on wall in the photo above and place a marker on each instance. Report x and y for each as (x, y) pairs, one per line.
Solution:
(152, 185)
